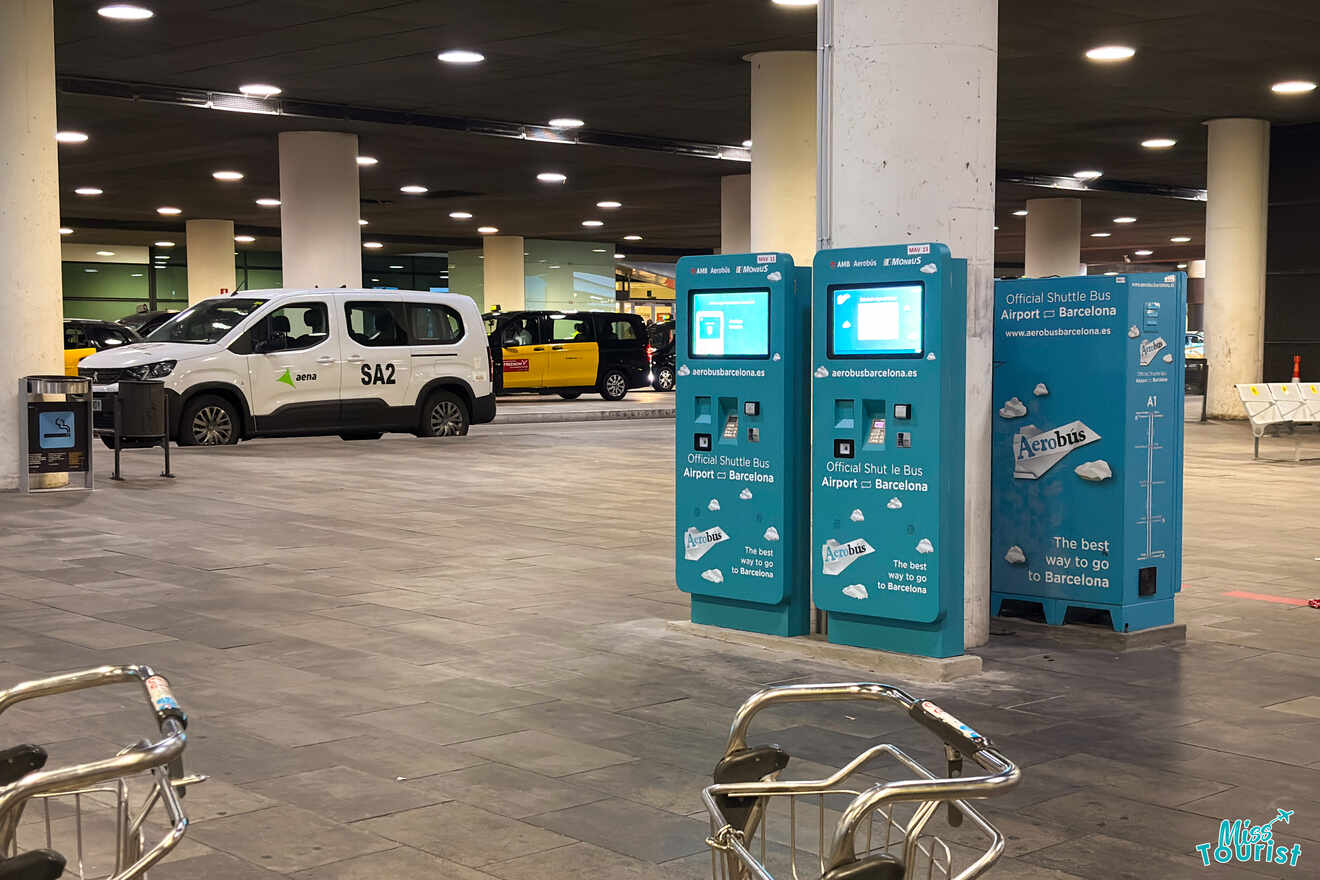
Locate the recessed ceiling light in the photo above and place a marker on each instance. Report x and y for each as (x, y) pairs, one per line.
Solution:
(162, 256)
(1125, 219)
(136, 275)
(168, 211)
(125, 12)
(227, 175)
(164, 244)
(461, 215)
(996, 229)
(89, 191)
(1021, 213)
(1143, 252)
(551, 177)
(609, 205)
(1181, 239)
(367, 160)
(269, 203)
(598, 250)
(461, 56)
(413, 189)
(244, 239)
(592, 224)
(71, 137)
(1101, 234)
(1182, 265)
(747, 144)
(260, 90)
(105, 253)
(373, 245)
(1293, 87)
(361, 222)
(1087, 175)
(566, 122)
(396, 267)
(487, 230)
(64, 230)
(91, 270)
(553, 267)
(620, 257)
(632, 238)
(794, 2)
(1158, 143)
(1110, 53)
(1111, 273)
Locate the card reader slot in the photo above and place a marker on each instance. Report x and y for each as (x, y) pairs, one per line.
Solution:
(729, 411)
(874, 425)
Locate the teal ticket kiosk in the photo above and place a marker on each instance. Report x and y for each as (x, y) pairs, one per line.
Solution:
(741, 441)
(1086, 487)
(888, 410)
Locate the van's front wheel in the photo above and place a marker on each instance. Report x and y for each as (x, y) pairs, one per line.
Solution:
(444, 415)
(208, 420)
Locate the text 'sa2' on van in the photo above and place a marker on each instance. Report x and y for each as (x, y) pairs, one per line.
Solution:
(271, 363)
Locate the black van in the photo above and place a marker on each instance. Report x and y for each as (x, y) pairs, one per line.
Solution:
(567, 353)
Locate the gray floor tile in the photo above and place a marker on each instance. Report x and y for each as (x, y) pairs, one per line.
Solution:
(507, 790)
(631, 829)
(579, 860)
(545, 753)
(403, 863)
(346, 795)
(465, 834)
(287, 839)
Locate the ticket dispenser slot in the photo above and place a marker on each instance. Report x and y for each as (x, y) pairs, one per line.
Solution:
(887, 518)
(743, 338)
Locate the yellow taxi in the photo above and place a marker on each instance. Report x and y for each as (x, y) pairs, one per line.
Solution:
(569, 353)
(83, 337)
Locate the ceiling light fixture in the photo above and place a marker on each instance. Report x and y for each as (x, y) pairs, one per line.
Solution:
(1182, 265)
(747, 144)
(1143, 252)
(551, 177)
(1158, 143)
(553, 267)
(396, 267)
(269, 203)
(1101, 234)
(1087, 175)
(372, 245)
(1293, 87)
(632, 238)
(1181, 239)
(566, 122)
(1021, 213)
(609, 205)
(169, 211)
(598, 250)
(1109, 54)
(65, 230)
(1125, 219)
(413, 189)
(244, 239)
(164, 244)
(620, 256)
(367, 161)
(125, 12)
(361, 222)
(260, 90)
(105, 253)
(227, 176)
(136, 275)
(794, 3)
(89, 191)
(71, 137)
(592, 224)
(461, 215)
(461, 56)
(1111, 273)
(487, 230)
(91, 270)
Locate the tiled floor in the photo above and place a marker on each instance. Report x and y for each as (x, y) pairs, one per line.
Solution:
(447, 659)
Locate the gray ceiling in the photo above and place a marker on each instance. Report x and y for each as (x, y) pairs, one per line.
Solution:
(671, 69)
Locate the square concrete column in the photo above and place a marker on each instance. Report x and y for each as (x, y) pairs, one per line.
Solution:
(1054, 237)
(210, 258)
(736, 214)
(503, 272)
(783, 180)
(320, 237)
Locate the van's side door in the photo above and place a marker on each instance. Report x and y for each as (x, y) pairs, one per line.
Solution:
(574, 352)
(524, 354)
(377, 362)
(293, 362)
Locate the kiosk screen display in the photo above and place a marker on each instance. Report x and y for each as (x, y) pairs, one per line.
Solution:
(731, 324)
(876, 321)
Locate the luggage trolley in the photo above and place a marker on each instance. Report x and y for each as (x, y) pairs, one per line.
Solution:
(854, 827)
(95, 816)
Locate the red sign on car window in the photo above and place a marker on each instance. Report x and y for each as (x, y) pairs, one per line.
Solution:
(517, 365)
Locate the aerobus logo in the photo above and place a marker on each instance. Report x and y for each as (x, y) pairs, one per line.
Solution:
(1035, 451)
(697, 542)
(1241, 841)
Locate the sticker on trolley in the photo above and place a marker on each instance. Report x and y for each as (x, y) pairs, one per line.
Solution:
(696, 542)
(936, 712)
(161, 696)
(835, 557)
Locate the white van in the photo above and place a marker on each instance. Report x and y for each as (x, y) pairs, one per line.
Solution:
(272, 363)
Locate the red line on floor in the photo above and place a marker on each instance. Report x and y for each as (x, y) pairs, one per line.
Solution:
(1262, 597)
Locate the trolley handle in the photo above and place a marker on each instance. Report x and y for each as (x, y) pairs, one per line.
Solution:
(809, 693)
(163, 704)
(955, 734)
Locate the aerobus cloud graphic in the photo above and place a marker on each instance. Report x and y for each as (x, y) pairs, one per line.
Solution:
(1013, 409)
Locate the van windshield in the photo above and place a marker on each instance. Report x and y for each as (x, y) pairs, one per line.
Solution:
(207, 322)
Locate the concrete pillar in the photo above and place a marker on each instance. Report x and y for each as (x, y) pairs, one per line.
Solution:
(502, 271)
(912, 133)
(31, 308)
(1236, 214)
(210, 258)
(736, 214)
(320, 237)
(1195, 294)
(783, 179)
(1054, 237)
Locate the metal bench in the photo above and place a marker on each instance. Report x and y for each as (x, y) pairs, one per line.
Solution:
(1280, 407)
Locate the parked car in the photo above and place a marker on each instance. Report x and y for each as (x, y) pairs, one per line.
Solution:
(661, 349)
(273, 363)
(568, 353)
(145, 323)
(84, 337)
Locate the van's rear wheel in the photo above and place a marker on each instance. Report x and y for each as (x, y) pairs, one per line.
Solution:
(614, 385)
(208, 420)
(664, 379)
(444, 415)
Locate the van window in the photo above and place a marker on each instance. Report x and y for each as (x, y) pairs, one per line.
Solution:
(521, 330)
(619, 328)
(294, 327)
(434, 324)
(376, 324)
(571, 328)
(207, 322)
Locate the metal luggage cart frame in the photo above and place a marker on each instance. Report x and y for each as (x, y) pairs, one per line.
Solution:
(105, 784)
(747, 788)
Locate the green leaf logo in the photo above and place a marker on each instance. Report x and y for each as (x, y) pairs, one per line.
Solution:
(286, 379)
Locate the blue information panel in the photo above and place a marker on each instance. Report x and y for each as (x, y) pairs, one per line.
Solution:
(741, 475)
(888, 409)
(1086, 507)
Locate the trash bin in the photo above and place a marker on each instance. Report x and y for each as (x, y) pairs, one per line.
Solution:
(142, 414)
(55, 447)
